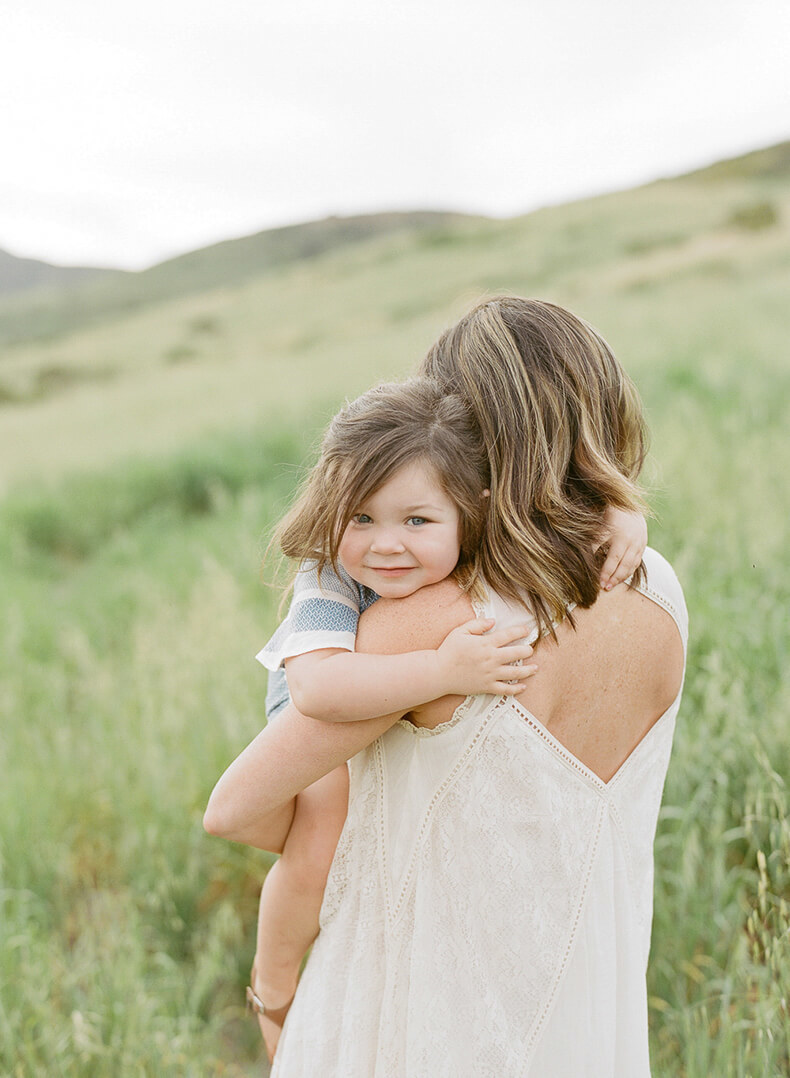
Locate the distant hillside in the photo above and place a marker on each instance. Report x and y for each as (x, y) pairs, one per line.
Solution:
(51, 311)
(234, 261)
(770, 163)
(22, 274)
(40, 302)
(224, 340)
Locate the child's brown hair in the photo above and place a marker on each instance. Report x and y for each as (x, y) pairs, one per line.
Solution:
(369, 440)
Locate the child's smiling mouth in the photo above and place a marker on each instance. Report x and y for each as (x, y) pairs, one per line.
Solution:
(396, 570)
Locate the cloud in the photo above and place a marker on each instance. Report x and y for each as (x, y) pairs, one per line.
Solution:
(139, 131)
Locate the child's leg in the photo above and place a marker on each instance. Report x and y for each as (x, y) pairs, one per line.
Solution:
(293, 891)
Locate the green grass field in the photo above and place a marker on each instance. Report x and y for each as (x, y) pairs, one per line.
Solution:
(143, 460)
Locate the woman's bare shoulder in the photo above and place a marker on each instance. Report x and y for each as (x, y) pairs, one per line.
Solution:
(419, 621)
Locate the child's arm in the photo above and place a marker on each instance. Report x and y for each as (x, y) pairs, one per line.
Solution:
(626, 534)
(341, 686)
(252, 801)
(328, 680)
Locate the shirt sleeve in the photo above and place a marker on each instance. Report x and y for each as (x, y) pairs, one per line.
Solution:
(323, 614)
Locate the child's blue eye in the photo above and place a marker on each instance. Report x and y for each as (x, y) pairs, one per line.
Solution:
(417, 520)
(362, 518)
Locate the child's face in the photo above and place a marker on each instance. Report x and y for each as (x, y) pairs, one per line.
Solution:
(405, 536)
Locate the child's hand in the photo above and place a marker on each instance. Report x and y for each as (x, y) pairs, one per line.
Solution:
(626, 534)
(474, 660)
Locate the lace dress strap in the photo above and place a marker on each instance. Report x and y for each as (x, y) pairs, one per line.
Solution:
(663, 587)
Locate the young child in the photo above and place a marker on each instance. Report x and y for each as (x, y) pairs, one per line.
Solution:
(397, 501)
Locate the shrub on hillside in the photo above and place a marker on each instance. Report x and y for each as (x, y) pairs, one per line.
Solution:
(754, 216)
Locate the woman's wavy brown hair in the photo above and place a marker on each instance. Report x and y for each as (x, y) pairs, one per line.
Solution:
(366, 443)
(565, 437)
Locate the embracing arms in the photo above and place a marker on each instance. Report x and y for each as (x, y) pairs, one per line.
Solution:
(335, 685)
(252, 802)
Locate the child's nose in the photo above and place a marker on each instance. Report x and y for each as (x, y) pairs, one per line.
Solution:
(386, 541)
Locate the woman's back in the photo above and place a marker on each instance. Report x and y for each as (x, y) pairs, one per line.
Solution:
(604, 683)
(489, 908)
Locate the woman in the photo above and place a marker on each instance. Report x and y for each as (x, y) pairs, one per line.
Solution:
(488, 910)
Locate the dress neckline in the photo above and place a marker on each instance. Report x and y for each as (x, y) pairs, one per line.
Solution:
(573, 761)
(530, 720)
(440, 728)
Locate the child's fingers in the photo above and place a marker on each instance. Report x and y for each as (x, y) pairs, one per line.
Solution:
(513, 672)
(513, 654)
(498, 638)
(501, 638)
(603, 538)
(512, 688)
(613, 559)
(620, 563)
(478, 626)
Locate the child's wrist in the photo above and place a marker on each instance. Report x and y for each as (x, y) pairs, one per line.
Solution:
(442, 674)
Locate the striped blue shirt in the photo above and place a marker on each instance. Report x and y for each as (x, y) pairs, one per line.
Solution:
(323, 614)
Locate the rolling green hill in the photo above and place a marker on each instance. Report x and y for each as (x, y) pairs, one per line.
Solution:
(770, 164)
(23, 275)
(180, 362)
(47, 311)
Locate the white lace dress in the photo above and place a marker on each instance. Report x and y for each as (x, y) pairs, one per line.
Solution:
(489, 907)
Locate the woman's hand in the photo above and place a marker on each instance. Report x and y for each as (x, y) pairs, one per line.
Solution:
(626, 534)
(475, 660)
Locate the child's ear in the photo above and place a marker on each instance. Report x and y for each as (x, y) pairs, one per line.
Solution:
(486, 493)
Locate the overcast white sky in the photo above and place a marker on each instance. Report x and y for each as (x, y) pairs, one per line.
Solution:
(137, 131)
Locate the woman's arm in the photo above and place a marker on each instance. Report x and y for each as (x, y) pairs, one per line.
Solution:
(252, 801)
